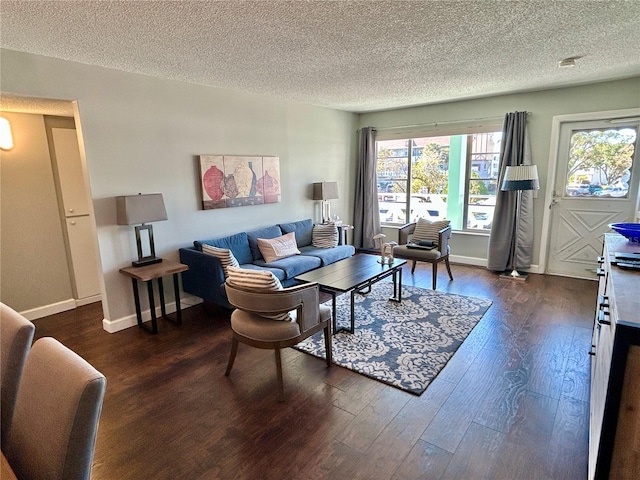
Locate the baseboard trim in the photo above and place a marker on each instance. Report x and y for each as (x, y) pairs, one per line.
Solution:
(51, 309)
(475, 261)
(87, 300)
(128, 321)
(482, 262)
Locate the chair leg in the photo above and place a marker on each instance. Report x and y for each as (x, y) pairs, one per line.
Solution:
(279, 369)
(446, 262)
(434, 275)
(413, 267)
(327, 345)
(232, 356)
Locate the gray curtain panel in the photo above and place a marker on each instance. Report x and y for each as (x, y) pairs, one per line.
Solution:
(515, 150)
(366, 217)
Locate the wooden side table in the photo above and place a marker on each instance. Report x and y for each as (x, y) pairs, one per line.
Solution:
(148, 274)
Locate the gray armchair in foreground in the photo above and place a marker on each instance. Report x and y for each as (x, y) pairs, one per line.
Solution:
(250, 326)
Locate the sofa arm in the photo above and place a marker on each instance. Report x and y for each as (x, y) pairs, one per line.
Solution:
(205, 277)
(404, 232)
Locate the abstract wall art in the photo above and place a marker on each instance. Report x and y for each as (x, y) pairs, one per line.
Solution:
(237, 181)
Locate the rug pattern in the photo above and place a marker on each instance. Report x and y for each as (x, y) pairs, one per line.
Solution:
(402, 344)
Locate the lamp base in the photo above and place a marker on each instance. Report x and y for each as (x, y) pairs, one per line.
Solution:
(146, 261)
(515, 275)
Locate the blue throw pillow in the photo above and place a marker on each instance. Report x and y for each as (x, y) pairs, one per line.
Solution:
(303, 230)
(238, 244)
(253, 236)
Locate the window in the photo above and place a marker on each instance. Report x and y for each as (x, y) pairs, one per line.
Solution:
(600, 163)
(437, 177)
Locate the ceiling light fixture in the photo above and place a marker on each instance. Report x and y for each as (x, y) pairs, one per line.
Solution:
(568, 62)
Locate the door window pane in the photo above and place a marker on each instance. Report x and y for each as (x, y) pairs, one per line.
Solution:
(600, 163)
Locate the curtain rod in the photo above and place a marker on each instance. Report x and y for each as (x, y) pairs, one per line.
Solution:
(434, 124)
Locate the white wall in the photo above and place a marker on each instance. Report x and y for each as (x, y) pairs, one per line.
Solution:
(142, 134)
(543, 105)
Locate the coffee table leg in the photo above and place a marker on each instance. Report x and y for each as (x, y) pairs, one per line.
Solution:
(353, 321)
(334, 313)
(397, 285)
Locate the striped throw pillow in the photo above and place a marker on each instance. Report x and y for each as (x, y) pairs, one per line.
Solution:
(428, 230)
(224, 255)
(325, 235)
(261, 280)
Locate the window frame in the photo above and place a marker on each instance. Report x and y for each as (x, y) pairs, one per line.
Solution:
(410, 136)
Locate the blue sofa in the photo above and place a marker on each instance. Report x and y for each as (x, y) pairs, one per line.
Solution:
(205, 277)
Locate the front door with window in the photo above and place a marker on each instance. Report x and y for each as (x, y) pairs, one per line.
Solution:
(597, 178)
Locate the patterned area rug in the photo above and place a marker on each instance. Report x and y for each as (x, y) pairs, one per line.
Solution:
(402, 344)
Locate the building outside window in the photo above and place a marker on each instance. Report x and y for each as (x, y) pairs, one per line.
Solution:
(437, 177)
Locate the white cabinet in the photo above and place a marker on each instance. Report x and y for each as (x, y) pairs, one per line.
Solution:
(614, 424)
(70, 176)
(75, 205)
(83, 260)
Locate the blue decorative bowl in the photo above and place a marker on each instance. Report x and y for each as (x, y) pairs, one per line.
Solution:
(629, 230)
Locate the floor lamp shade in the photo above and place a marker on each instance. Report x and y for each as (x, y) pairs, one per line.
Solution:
(521, 177)
(325, 191)
(516, 179)
(139, 210)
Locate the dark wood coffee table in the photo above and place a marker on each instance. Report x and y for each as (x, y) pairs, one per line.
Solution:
(355, 274)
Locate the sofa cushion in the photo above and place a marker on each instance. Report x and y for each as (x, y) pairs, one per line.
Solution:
(259, 280)
(280, 247)
(278, 272)
(428, 230)
(223, 254)
(329, 255)
(293, 266)
(302, 229)
(238, 244)
(325, 235)
(268, 232)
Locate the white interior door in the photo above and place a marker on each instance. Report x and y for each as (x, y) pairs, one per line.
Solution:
(597, 176)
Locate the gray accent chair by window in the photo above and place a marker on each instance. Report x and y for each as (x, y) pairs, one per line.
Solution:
(250, 326)
(16, 335)
(55, 420)
(434, 256)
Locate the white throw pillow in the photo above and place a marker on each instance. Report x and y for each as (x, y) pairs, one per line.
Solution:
(260, 280)
(273, 249)
(428, 230)
(224, 255)
(324, 235)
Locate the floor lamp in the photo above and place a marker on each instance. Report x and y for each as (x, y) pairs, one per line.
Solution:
(517, 179)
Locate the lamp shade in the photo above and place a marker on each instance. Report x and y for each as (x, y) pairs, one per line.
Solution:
(325, 190)
(520, 177)
(135, 209)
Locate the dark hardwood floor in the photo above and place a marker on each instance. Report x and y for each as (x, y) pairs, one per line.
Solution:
(511, 404)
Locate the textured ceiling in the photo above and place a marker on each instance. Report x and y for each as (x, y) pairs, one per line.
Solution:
(350, 55)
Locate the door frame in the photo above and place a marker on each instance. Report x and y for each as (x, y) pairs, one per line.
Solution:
(554, 151)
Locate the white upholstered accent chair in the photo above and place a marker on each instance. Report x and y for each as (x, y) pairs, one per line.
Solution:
(16, 335)
(250, 326)
(434, 256)
(55, 420)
